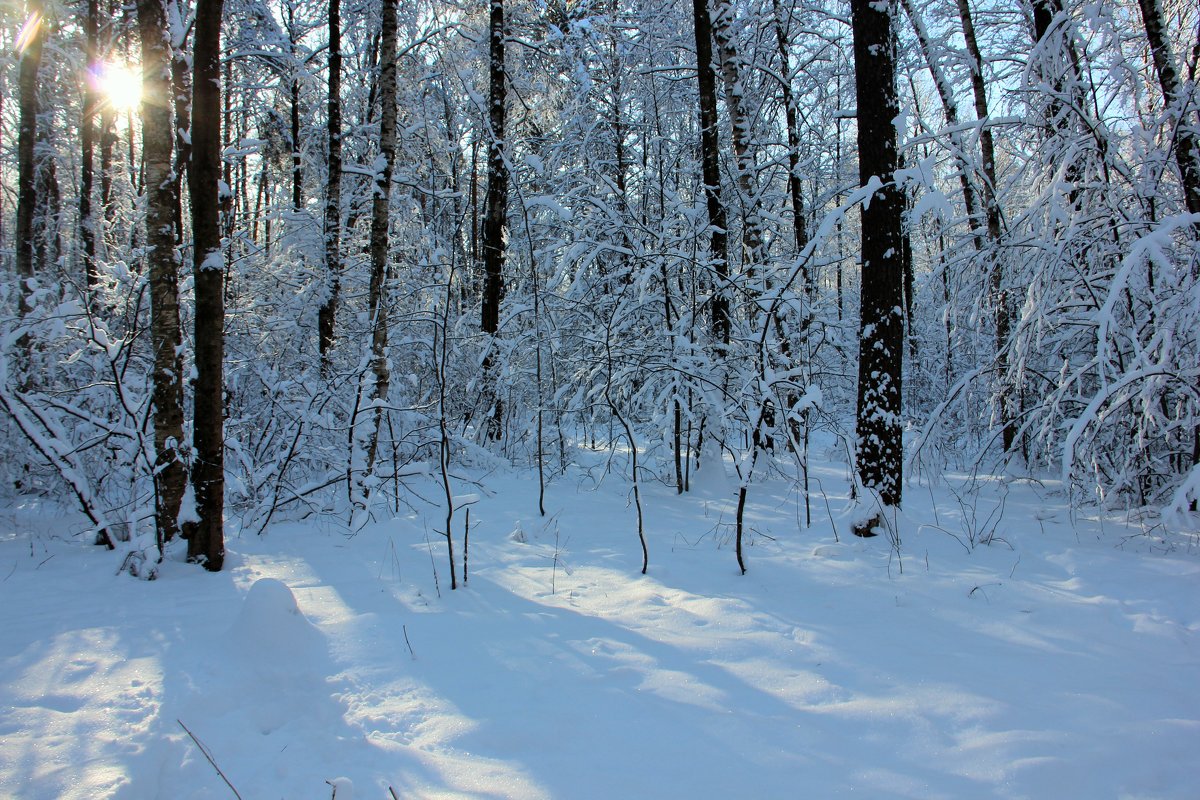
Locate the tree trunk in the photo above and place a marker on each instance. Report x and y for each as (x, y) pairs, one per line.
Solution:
(997, 293)
(206, 543)
(327, 316)
(881, 325)
(163, 266)
(711, 173)
(182, 89)
(495, 220)
(108, 143)
(1175, 100)
(791, 114)
(950, 110)
(87, 146)
(297, 156)
(380, 216)
(33, 37)
(739, 123)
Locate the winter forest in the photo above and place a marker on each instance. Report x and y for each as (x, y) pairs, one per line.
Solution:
(777, 283)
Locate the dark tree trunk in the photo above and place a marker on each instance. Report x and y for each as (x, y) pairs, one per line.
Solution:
(297, 156)
(380, 216)
(946, 94)
(206, 543)
(495, 220)
(163, 267)
(87, 135)
(998, 295)
(108, 143)
(711, 172)
(327, 316)
(27, 199)
(1187, 148)
(791, 114)
(881, 326)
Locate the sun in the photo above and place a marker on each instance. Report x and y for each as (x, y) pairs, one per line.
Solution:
(120, 85)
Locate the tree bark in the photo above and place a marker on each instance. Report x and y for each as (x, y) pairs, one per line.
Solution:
(206, 543)
(163, 266)
(791, 115)
(380, 217)
(881, 325)
(33, 38)
(87, 147)
(950, 110)
(997, 293)
(181, 86)
(711, 173)
(327, 316)
(1175, 100)
(495, 220)
(721, 20)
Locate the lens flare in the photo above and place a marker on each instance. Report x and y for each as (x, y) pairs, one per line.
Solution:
(120, 86)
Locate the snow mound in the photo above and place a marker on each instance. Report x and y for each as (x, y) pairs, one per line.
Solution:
(343, 789)
(271, 626)
(711, 479)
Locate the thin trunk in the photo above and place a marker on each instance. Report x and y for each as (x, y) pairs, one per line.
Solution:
(731, 74)
(950, 110)
(297, 156)
(32, 39)
(206, 543)
(791, 115)
(380, 215)
(162, 259)
(711, 173)
(87, 224)
(881, 325)
(495, 221)
(1175, 100)
(998, 295)
(182, 90)
(108, 143)
(327, 316)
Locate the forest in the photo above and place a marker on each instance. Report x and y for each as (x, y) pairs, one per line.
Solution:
(595, 399)
(268, 259)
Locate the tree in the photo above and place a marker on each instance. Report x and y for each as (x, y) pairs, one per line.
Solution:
(380, 219)
(87, 146)
(998, 295)
(162, 259)
(30, 44)
(710, 154)
(881, 325)
(495, 221)
(206, 540)
(1179, 104)
(327, 316)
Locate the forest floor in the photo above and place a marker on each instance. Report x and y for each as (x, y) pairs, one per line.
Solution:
(1060, 660)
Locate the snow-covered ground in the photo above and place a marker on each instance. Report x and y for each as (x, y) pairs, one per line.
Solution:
(1059, 661)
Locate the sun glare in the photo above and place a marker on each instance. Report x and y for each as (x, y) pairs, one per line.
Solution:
(121, 86)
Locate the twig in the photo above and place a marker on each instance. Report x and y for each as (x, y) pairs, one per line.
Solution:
(407, 642)
(433, 564)
(466, 543)
(208, 755)
(392, 792)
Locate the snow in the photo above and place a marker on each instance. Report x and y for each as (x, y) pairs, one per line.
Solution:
(1059, 661)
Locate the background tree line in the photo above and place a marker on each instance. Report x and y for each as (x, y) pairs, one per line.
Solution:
(335, 245)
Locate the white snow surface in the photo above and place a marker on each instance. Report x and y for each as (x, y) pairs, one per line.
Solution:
(1059, 661)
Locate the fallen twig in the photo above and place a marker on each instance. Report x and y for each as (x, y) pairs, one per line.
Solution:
(208, 755)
